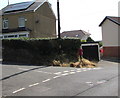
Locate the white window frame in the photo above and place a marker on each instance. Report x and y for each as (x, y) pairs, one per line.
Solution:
(5, 23)
(76, 35)
(14, 35)
(65, 36)
(21, 22)
(1, 36)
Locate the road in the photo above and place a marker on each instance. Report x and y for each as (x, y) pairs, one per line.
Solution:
(23, 80)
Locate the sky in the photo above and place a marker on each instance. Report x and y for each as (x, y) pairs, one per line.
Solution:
(80, 14)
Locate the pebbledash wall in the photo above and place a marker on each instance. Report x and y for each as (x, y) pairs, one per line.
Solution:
(111, 45)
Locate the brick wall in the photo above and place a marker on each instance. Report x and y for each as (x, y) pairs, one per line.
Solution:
(111, 51)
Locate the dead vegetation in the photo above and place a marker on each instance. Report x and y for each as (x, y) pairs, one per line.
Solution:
(79, 64)
(58, 63)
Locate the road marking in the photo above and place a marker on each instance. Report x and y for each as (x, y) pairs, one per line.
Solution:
(33, 84)
(56, 77)
(46, 80)
(84, 70)
(66, 71)
(44, 72)
(58, 73)
(65, 74)
(95, 68)
(18, 90)
(72, 70)
(102, 81)
(72, 73)
(47, 72)
(89, 68)
(78, 71)
(90, 83)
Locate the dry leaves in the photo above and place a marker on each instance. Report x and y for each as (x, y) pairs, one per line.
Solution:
(80, 64)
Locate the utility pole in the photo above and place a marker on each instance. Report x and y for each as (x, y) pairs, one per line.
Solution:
(58, 12)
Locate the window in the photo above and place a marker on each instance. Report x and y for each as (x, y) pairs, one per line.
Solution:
(21, 22)
(14, 35)
(23, 35)
(76, 35)
(5, 36)
(11, 36)
(1, 37)
(5, 23)
(65, 36)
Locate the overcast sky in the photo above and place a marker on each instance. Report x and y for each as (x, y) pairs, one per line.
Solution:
(81, 14)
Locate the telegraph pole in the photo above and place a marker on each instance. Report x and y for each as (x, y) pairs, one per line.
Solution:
(58, 12)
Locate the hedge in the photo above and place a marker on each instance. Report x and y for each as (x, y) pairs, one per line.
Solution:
(41, 51)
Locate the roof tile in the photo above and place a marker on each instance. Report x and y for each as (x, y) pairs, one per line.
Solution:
(74, 33)
(111, 18)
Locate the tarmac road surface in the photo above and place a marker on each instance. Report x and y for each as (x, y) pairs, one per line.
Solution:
(23, 80)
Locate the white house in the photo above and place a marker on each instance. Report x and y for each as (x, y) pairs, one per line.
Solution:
(110, 32)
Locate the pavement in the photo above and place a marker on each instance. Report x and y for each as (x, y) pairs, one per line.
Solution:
(25, 80)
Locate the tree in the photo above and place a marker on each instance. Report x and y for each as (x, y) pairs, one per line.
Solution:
(100, 44)
(89, 39)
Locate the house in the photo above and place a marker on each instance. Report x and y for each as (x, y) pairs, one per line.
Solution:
(34, 19)
(76, 34)
(110, 32)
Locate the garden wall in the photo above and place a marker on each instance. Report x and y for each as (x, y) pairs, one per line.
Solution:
(39, 52)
